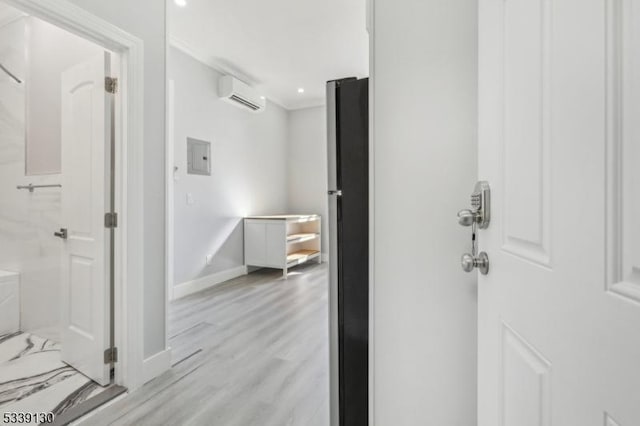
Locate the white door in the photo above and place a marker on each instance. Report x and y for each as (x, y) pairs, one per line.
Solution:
(85, 176)
(559, 311)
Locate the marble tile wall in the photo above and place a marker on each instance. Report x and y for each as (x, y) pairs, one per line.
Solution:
(27, 220)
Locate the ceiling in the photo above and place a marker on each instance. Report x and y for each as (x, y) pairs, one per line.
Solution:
(276, 46)
(8, 14)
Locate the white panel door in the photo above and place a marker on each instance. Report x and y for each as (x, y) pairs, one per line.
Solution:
(85, 176)
(559, 311)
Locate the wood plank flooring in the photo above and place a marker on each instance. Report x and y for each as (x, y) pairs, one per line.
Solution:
(253, 351)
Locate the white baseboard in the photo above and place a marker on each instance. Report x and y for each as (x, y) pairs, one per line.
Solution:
(155, 365)
(199, 284)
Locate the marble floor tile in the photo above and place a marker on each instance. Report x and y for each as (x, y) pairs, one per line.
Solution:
(33, 378)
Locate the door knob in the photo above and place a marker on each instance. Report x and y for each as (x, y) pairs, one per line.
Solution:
(61, 234)
(470, 262)
(467, 217)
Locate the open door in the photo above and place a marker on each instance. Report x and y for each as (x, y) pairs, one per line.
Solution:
(559, 310)
(86, 140)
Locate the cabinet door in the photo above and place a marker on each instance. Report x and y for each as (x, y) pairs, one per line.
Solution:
(255, 243)
(276, 244)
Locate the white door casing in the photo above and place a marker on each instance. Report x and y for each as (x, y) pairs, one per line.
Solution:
(85, 199)
(559, 142)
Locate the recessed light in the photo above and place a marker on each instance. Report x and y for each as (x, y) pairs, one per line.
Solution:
(181, 3)
(263, 98)
(301, 90)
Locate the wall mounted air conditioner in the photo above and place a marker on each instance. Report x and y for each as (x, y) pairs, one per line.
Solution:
(236, 92)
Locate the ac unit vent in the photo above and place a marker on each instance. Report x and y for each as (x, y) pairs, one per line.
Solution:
(244, 102)
(240, 94)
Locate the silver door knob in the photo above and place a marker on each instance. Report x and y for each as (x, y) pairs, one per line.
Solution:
(61, 234)
(470, 262)
(467, 217)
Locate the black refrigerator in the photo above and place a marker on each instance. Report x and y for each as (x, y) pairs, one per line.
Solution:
(348, 162)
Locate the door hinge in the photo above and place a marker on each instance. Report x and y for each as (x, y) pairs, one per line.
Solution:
(110, 355)
(111, 84)
(111, 220)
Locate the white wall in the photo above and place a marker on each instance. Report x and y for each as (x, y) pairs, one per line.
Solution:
(50, 51)
(249, 170)
(146, 19)
(307, 165)
(424, 119)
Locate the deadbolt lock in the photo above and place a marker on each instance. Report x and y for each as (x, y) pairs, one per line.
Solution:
(480, 211)
(478, 216)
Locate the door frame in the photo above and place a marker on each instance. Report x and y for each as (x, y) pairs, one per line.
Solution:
(128, 272)
(370, 14)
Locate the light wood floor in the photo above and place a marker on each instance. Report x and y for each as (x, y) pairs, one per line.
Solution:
(253, 351)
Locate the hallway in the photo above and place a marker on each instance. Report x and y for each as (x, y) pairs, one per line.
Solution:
(253, 351)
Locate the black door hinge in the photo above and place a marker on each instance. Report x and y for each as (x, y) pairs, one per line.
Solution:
(111, 85)
(110, 355)
(111, 220)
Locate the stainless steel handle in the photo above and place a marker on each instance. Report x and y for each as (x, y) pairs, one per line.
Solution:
(470, 262)
(467, 217)
(337, 193)
(31, 186)
(61, 234)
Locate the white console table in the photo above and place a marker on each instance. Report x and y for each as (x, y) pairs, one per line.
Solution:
(281, 241)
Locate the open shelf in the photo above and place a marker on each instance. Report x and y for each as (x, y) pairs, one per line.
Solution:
(298, 238)
(301, 256)
(282, 241)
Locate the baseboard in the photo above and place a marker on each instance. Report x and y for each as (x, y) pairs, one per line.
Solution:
(199, 284)
(155, 365)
